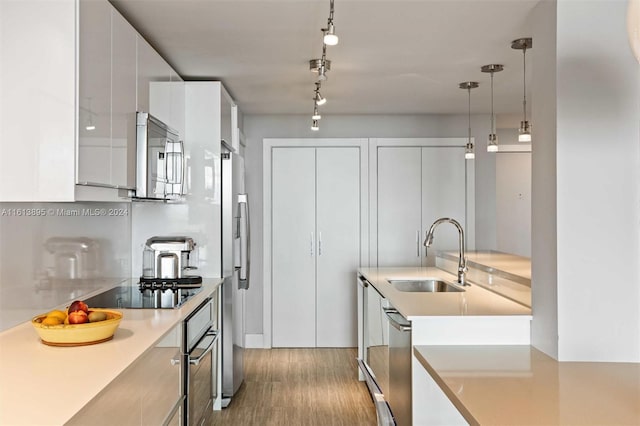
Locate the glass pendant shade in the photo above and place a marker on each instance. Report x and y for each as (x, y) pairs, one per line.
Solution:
(524, 133)
(468, 152)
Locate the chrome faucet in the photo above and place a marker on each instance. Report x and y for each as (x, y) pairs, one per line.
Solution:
(462, 260)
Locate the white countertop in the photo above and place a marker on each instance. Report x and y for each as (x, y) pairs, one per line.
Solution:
(519, 385)
(44, 385)
(474, 301)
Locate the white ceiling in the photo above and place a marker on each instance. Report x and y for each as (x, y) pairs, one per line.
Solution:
(394, 56)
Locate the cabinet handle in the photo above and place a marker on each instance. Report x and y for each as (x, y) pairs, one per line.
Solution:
(319, 243)
(311, 245)
(175, 361)
(418, 243)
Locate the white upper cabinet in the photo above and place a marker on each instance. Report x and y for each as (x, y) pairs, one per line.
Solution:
(151, 68)
(71, 130)
(37, 100)
(123, 101)
(107, 97)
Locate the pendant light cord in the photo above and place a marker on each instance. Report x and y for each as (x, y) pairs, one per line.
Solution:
(492, 116)
(469, 116)
(524, 94)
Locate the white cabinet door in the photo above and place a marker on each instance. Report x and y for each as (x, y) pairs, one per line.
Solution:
(123, 102)
(399, 215)
(443, 195)
(151, 68)
(94, 130)
(338, 254)
(293, 247)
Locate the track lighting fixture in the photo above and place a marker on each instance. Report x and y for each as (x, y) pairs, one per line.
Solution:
(469, 154)
(330, 38)
(319, 99)
(322, 65)
(492, 142)
(525, 128)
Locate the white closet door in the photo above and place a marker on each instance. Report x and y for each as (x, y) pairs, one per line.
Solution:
(443, 195)
(338, 228)
(399, 217)
(293, 250)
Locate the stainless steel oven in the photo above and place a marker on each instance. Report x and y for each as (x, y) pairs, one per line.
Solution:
(200, 346)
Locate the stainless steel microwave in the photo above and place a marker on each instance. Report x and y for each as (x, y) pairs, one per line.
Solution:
(160, 167)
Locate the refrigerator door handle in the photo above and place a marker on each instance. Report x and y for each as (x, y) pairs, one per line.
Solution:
(245, 241)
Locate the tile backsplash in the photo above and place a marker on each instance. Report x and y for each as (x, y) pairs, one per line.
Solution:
(51, 253)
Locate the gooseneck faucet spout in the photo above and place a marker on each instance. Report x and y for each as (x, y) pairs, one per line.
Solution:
(462, 260)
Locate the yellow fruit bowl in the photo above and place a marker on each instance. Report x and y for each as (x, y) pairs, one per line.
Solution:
(78, 334)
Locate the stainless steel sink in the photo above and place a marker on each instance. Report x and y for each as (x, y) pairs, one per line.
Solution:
(426, 285)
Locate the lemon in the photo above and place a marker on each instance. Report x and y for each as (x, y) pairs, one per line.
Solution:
(52, 321)
(57, 314)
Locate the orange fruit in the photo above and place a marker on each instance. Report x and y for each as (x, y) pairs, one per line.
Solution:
(53, 320)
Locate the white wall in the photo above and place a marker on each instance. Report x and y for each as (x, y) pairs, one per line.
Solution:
(258, 127)
(513, 202)
(596, 292)
(543, 183)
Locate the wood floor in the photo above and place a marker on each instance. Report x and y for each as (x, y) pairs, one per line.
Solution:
(299, 387)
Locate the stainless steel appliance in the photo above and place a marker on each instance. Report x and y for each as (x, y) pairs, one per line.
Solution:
(399, 366)
(386, 362)
(200, 338)
(168, 262)
(160, 160)
(235, 269)
(132, 297)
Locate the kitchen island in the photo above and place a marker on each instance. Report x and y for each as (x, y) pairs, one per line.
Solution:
(517, 385)
(472, 315)
(45, 385)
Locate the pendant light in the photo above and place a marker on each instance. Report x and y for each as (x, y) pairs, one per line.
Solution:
(492, 141)
(525, 128)
(468, 151)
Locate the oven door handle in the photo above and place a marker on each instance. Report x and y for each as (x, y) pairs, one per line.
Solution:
(397, 320)
(210, 333)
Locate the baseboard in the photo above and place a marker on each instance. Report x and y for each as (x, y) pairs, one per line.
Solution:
(254, 341)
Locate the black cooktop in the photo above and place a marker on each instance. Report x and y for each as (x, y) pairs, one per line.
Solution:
(131, 297)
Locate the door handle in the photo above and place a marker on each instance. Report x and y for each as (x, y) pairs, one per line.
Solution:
(215, 335)
(397, 320)
(319, 243)
(418, 243)
(311, 245)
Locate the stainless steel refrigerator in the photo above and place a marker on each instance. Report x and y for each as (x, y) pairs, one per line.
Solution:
(235, 271)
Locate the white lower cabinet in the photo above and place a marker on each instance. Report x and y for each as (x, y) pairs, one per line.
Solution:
(315, 245)
(148, 392)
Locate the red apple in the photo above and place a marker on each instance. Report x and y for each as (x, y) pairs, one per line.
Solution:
(78, 305)
(78, 317)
